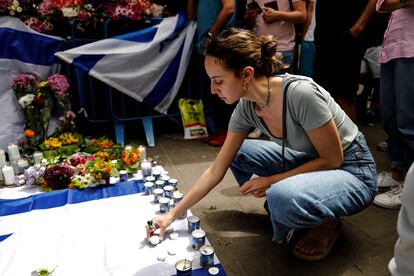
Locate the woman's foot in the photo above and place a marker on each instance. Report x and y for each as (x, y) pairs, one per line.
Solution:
(390, 179)
(318, 242)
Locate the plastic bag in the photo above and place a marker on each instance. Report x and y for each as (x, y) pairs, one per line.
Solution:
(192, 115)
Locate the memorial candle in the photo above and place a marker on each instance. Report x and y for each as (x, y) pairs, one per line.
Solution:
(13, 151)
(8, 174)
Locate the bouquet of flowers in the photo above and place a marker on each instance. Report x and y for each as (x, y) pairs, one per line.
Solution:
(130, 158)
(93, 145)
(40, 15)
(98, 170)
(57, 177)
(37, 99)
(61, 145)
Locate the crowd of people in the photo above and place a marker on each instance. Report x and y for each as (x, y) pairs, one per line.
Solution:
(315, 167)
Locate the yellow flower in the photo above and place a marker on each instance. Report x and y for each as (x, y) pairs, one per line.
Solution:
(42, 84)
(68, 138)
(52, 143)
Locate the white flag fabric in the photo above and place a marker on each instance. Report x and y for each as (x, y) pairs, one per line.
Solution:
(22, 50)
(147, 65)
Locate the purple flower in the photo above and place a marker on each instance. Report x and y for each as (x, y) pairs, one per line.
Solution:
(25, 82)
(59, 84)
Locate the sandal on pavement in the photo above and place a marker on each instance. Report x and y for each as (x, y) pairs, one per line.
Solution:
(320, 239)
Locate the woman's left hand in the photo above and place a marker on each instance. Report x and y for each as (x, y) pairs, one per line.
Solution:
(256, 186)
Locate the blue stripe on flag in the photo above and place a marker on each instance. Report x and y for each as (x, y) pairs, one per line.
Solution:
(29, 47)
(87, 62)
(3, 237)
(68, 196)
(204, 271)
(181, 22)
(166, 82)
(144, 35)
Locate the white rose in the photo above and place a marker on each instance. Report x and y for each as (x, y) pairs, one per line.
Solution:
(69, 12)
(26, 100)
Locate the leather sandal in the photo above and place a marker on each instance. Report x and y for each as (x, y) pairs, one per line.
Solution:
(313, 239)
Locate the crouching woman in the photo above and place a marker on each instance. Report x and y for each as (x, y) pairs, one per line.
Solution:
(316, 165)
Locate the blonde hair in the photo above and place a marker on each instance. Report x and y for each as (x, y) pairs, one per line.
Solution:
(238, 48)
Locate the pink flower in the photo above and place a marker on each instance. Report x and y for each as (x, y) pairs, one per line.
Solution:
(45, 7)
(70, 114)
(38, 25)
(76, 160)
(59, 84)
(24, 82)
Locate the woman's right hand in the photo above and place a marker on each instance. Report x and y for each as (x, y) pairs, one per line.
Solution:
(163, 222)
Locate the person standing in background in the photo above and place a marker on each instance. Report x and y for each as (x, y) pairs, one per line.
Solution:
(340, 40)
(276, 18)
(212, 16)
(397, 97)
(307, 50)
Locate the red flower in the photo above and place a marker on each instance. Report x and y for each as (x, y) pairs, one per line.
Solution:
(39, 102)
(83, 16)
(58, 177)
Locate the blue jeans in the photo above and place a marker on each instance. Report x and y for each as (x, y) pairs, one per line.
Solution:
(288, 57)
(397, 113)
(307, 57)
(307, 200)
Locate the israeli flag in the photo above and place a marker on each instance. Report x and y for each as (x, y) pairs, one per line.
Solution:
(147, 65)
(22, 50)
(96, 231)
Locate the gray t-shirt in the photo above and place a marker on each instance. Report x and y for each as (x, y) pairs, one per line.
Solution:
(308, 106)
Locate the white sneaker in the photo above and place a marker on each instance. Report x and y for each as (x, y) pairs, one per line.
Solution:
(385, 180)
(256, 133)
(390, 199)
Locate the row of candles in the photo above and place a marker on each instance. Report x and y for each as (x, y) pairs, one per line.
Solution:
(16, 164)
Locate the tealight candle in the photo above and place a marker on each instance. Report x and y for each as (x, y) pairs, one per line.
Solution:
(8, 174)
(146, 168)
(183, 267)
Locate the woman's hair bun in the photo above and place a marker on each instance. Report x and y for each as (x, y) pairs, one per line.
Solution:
(269, 46)
(239, 48)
